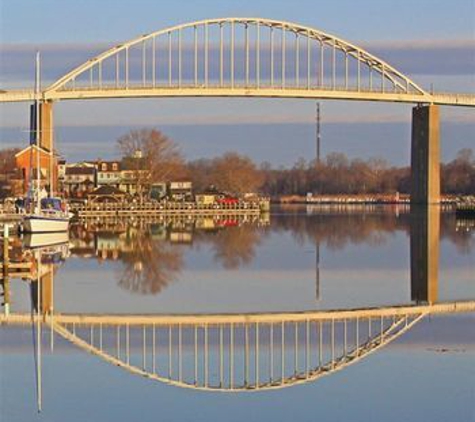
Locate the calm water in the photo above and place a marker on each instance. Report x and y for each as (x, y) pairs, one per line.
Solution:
(149, 336)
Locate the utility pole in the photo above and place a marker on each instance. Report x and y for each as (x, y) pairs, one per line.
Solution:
(317, 270)
(317, 246)
(319, 136)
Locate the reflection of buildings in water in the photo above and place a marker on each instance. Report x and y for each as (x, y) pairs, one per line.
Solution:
(465, 224)
(150, 251)
(108, 239)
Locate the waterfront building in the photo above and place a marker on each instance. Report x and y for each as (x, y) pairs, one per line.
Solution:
(106, 194)
(108, 173)
(27, 162)
(180, 191)
(79, 179)
(132, 181)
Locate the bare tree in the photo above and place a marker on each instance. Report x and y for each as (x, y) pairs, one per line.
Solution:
(152, 156)
(7, 160)
(236, 173)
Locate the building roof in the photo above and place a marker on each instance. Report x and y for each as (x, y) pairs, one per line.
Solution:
(109, 165)
(82, 164)
(80, 170)
(32, 146)
(107, 190)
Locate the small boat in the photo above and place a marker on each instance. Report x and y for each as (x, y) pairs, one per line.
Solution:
(51, 217)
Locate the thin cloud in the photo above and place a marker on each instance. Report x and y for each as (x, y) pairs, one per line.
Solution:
(414, 57)
(427, 57)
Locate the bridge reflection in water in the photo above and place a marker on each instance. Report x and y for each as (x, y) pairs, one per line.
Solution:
(238, 356)
(238, 352)
(250, 352)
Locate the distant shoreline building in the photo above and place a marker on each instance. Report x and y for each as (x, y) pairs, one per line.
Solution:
(79, 180)
(27, 162)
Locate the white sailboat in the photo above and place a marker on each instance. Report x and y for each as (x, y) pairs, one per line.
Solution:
(46, 214)
(46, 218)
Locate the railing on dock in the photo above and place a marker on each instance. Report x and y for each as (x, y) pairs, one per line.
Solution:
(111, 209)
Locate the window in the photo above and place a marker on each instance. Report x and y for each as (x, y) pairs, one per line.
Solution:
(114, 166)
(104, 167)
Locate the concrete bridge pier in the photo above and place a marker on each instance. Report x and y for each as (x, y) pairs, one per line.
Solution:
(41, 128)
(425, 155)
(43, 301)
(424, 250)
(45, 129)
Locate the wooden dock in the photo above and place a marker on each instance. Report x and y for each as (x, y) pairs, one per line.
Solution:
(11, 268)
(15, 269)
(169, 209)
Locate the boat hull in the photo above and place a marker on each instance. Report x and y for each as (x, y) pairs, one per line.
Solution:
(39, 240)
(36, 224)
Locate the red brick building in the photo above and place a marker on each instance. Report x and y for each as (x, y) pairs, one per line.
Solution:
(27, 161)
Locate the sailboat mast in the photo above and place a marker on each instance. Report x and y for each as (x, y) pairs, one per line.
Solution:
(39, 306)
(37, 131)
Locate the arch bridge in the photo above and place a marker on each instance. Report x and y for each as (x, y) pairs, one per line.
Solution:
(238, 352)
(251, 57)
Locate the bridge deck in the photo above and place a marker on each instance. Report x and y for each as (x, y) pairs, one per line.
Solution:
(453, 99)
(439, 308)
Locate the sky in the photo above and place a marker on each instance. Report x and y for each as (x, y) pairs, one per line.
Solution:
(431, 41)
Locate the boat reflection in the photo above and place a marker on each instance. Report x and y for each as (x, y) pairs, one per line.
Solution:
(41, 254)
(41, 240)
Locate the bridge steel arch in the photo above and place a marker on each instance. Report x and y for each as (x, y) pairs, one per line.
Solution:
(238, 57)
(245, 357)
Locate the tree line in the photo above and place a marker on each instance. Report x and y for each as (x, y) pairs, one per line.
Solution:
(235, 173)
(335, 174)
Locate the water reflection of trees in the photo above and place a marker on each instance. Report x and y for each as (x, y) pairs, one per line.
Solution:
(151, 256)
(337, 230)
(149, 264)
(233, 247)
(151, 260)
